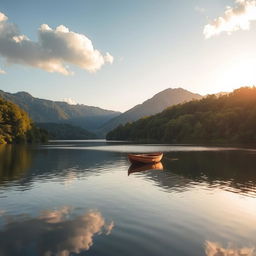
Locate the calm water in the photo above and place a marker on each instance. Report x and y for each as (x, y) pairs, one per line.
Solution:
(84, 198)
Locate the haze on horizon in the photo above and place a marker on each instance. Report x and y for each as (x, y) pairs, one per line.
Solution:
(116, 54)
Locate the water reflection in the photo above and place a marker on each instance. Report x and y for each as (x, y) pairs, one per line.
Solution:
(229, 170)
(14, 162)
(136, 167)
(215, 249)
(26, 165)
(234, 171)
(156, 211)
(52, 233)
(170, 181)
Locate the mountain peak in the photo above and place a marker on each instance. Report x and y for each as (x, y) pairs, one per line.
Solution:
(174, 90)
(23, 94)
(154, 105)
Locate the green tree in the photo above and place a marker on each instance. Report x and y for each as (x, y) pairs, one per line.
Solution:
(16, 126)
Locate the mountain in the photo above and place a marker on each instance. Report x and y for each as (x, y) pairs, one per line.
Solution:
(66, 132)
(213, 119)
(47, 111)
(152, 106)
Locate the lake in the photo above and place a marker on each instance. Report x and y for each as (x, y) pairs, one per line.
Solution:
(84, 198)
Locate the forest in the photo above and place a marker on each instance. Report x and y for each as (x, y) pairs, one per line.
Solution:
(16, 126)
(66, 131)
(229, 118)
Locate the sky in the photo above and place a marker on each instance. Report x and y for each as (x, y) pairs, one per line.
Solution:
(115, 54)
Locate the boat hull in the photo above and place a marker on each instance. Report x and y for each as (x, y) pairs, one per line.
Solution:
(145, 158)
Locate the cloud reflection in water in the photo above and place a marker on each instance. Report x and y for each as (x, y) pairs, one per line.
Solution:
(215, 249)
(52, 233)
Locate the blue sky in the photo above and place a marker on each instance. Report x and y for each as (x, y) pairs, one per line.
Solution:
(155, 44)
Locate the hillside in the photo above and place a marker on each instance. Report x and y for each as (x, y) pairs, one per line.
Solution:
(46, 111)
(152, 106)
(66, 132)
(16, 126)
(225, 119)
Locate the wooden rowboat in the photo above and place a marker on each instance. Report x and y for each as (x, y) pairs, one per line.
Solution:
(145, 158)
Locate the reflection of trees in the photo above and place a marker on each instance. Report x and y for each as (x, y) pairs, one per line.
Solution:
(230, 169)
(61, 161)
(214, 249)
(48, 163)
(14, 161)
(52, 233)
(169, 181)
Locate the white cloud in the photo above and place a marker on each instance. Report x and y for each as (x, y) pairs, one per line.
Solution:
(2, 17)
(70, 101)
(2, 72)
(52, 52)
(236, 18)
(109, 58)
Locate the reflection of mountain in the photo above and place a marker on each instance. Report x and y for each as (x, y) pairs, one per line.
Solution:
(52, 233)
(214, 249)
(14, 162)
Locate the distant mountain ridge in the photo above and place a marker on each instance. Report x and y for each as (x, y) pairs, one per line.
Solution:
(154, 105)
(47, 111)
(92, 118)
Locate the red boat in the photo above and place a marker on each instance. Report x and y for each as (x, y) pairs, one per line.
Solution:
(145, 158)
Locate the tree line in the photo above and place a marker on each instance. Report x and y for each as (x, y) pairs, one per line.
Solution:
(228, 118)
(16, 126)
(62, 131)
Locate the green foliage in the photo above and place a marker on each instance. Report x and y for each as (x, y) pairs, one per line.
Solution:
(16, 126)
(66, 131)
(226, 119)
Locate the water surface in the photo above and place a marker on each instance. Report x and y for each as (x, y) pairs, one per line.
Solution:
(84, 198)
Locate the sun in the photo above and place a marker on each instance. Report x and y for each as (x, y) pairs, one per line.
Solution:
(237, 73)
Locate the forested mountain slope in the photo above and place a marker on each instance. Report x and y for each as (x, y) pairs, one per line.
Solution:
(229, 118)
(66, 132)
